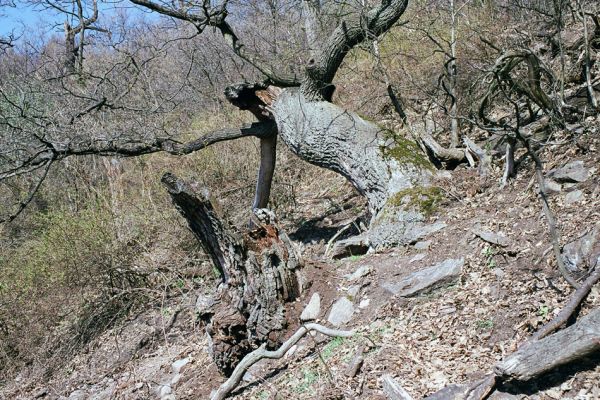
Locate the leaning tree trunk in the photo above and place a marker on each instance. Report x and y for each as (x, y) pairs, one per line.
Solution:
(259, 270)
(388, 169)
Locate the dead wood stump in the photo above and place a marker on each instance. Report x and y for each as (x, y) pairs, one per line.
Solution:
(259, 270)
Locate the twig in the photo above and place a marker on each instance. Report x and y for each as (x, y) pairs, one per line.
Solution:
(337, 235)
(562, 317)
(260, 353)
(539, 174)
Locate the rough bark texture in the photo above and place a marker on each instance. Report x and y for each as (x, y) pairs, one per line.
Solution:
(387, 169)
(259, 271)
(538, 357)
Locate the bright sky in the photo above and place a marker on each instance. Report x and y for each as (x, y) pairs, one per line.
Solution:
(24, 17)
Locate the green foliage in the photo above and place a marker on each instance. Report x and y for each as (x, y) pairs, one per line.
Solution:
(329, 350)
(309, 378)
(485, 324)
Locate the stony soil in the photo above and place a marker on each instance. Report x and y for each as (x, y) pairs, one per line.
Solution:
(454, 333)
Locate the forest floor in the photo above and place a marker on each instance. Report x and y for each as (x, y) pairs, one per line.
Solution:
(453, 334)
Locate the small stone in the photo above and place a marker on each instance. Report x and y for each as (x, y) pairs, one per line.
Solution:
(423, 245)
(426, 279)
(572, 172)
(418, 257)
(178, 365)
(552, 186)
(364, 303)
(165, 390)
(364, 270)
(312, 309)
(353, 290)
(175, 380)
(491, 237)
(573, 197)
(341, 312)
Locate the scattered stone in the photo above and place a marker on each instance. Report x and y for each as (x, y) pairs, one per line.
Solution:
(574, 171)
(450, 392)
(363, 270)
(491, 237)
(552, 186)
(341, 312)
(356, 363)
(583, 251)
(427, 279)
(364, 303)
(353, 246)
(354, 290)
(175, 380)
(40, 393)
(418, 257)
(573, 197)
(178, 365)
(165, 390)
(393, 390)
(423, 245)
(312, 309)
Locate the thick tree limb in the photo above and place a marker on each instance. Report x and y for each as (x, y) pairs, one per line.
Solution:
(349, 33)
(260, 353)
(129, 148)
(540, 356)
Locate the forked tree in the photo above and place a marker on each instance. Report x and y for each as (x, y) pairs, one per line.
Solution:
(259, 267)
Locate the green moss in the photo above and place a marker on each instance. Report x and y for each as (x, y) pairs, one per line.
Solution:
(405, 151)
(424, 199)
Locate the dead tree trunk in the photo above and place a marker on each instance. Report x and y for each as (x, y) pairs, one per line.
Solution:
(259, 275)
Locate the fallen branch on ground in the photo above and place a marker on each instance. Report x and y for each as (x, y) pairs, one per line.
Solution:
(562, 317)
(260, 353)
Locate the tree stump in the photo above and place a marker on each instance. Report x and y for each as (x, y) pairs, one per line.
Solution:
(259, 270)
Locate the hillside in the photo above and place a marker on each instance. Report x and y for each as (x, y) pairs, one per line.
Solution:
(424, 222)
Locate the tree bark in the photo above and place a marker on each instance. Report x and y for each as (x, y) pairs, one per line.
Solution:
(259, 270)
(389, 170)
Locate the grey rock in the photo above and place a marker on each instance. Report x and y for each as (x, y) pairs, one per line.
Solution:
(354, 290)
(393, 390)
(312, 309)
(418, 257)
(585, 250)
(178, 365)
(491, 237)
(364, 303)
(450, 392)
(574, 171)
(363, 270)
(78, 394)
(353, 246)
(552, 186)
(423, 245)
(341, 312)
(573, 197)
(426, 279)
(165, 390)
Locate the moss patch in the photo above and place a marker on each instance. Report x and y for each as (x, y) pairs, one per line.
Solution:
(424, 199)
(405, 151)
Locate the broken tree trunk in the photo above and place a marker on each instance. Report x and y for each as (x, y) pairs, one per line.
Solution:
(259, 271)
(537, 357)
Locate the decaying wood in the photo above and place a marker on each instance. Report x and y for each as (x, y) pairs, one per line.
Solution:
(482, 156)
(562, 317)
(356, 362)
(260, 353)
(537, 357)
(393, 391)
(259, 275)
